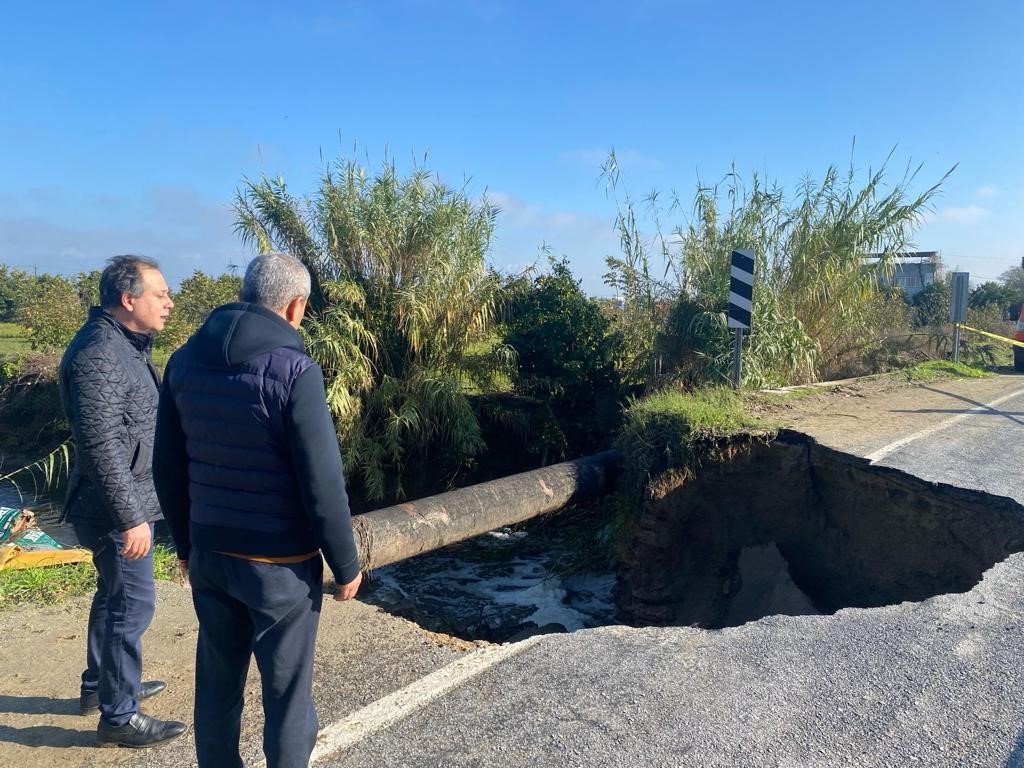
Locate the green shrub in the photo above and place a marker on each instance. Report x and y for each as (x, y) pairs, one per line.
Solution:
(565, 354)
(931, 304)
(193, 301)
(819, 254)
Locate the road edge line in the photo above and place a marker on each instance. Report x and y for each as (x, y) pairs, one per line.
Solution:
(386, 711)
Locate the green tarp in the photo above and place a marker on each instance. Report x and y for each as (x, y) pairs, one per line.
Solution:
(24, 545)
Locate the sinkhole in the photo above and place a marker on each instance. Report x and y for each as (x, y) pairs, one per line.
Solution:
(762, 527)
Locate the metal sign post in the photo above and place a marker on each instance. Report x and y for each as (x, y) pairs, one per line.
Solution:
(737, 346)
(958, 307)
(741, 295)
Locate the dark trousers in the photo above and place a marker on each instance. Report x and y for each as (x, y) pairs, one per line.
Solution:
(122, 609)
(272, 611)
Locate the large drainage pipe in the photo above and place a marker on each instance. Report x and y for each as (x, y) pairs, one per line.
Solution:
(395, 533)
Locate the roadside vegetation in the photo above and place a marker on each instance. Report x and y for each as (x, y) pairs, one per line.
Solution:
(441, 371)
(939, 370)
(53, 585)
(402, 299)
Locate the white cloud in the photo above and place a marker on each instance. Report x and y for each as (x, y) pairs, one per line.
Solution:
(967, 214)
(185, 233)
(171, 224)
(524, 228)
(989, 190)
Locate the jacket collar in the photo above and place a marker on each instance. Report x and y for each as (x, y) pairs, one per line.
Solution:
(141, 341)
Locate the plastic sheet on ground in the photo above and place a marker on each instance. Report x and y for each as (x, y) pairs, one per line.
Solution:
(24, 545)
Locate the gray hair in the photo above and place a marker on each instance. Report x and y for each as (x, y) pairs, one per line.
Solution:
(123, 274)
(274, 279)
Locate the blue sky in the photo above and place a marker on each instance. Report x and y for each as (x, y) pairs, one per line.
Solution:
(127, 127)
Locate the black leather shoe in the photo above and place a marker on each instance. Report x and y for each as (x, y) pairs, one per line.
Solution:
(139, 732)
(90, 702)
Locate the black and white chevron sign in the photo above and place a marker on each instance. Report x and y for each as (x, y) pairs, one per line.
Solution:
(741, 289)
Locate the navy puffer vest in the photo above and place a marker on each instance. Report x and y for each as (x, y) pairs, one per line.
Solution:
(231, 384)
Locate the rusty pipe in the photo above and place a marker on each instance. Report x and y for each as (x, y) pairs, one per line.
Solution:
(395, 533)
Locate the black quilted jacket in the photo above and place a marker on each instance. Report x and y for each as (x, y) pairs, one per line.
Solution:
(110, 391)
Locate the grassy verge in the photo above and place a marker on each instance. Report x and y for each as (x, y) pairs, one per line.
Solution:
(55, 584)
(666, 431)
(938, 370)
(670, 432)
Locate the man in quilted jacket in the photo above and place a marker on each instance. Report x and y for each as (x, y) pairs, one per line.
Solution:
(110, 391)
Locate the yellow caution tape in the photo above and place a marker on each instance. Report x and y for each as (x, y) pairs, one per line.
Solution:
(993, 335)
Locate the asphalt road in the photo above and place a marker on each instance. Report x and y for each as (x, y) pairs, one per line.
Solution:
(976, 446)
(936, 683)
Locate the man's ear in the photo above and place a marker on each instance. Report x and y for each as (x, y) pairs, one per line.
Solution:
(295, 311)
(128, 302)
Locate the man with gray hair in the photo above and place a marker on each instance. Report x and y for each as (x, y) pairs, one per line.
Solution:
(249, 474)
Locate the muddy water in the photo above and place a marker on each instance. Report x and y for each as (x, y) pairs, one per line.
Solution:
(503, 584)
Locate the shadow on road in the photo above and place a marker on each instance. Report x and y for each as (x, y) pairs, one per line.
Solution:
(987, 410)
(37, 705)
(1016, 758)
(47, 736)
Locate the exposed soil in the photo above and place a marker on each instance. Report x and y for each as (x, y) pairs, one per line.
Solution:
(860, 415)
(850, 534)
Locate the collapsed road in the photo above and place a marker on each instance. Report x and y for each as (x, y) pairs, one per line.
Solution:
(932, 678)
(931, 681)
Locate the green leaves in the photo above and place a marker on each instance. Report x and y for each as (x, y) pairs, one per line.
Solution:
(194, 300)
(817, 302)
(402, 296)
(565, 353)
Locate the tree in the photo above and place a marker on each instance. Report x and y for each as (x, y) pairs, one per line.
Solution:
(931, 304)
(197, 296)
(992, 294)
(1013, 279)
(13, 286)
(401, 292)
(52, 309)
(565, 355)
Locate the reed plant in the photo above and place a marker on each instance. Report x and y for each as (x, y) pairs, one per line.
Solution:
(402, 299)
(820, 254)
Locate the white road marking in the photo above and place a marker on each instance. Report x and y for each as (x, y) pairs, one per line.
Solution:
(875, 456)
(402, 703)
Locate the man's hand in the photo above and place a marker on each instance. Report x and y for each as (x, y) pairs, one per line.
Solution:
(348, 591)
(183, 571)
(136, 542)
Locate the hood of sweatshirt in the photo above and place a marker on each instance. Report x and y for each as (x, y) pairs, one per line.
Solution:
(237, 332)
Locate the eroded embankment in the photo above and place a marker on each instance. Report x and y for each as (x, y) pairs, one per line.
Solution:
(851, 535)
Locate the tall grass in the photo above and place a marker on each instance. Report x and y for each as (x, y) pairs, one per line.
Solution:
(45, 474)
(816, 298)
(402, 299)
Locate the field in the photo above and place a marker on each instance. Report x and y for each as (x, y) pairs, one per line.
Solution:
(13, 340)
